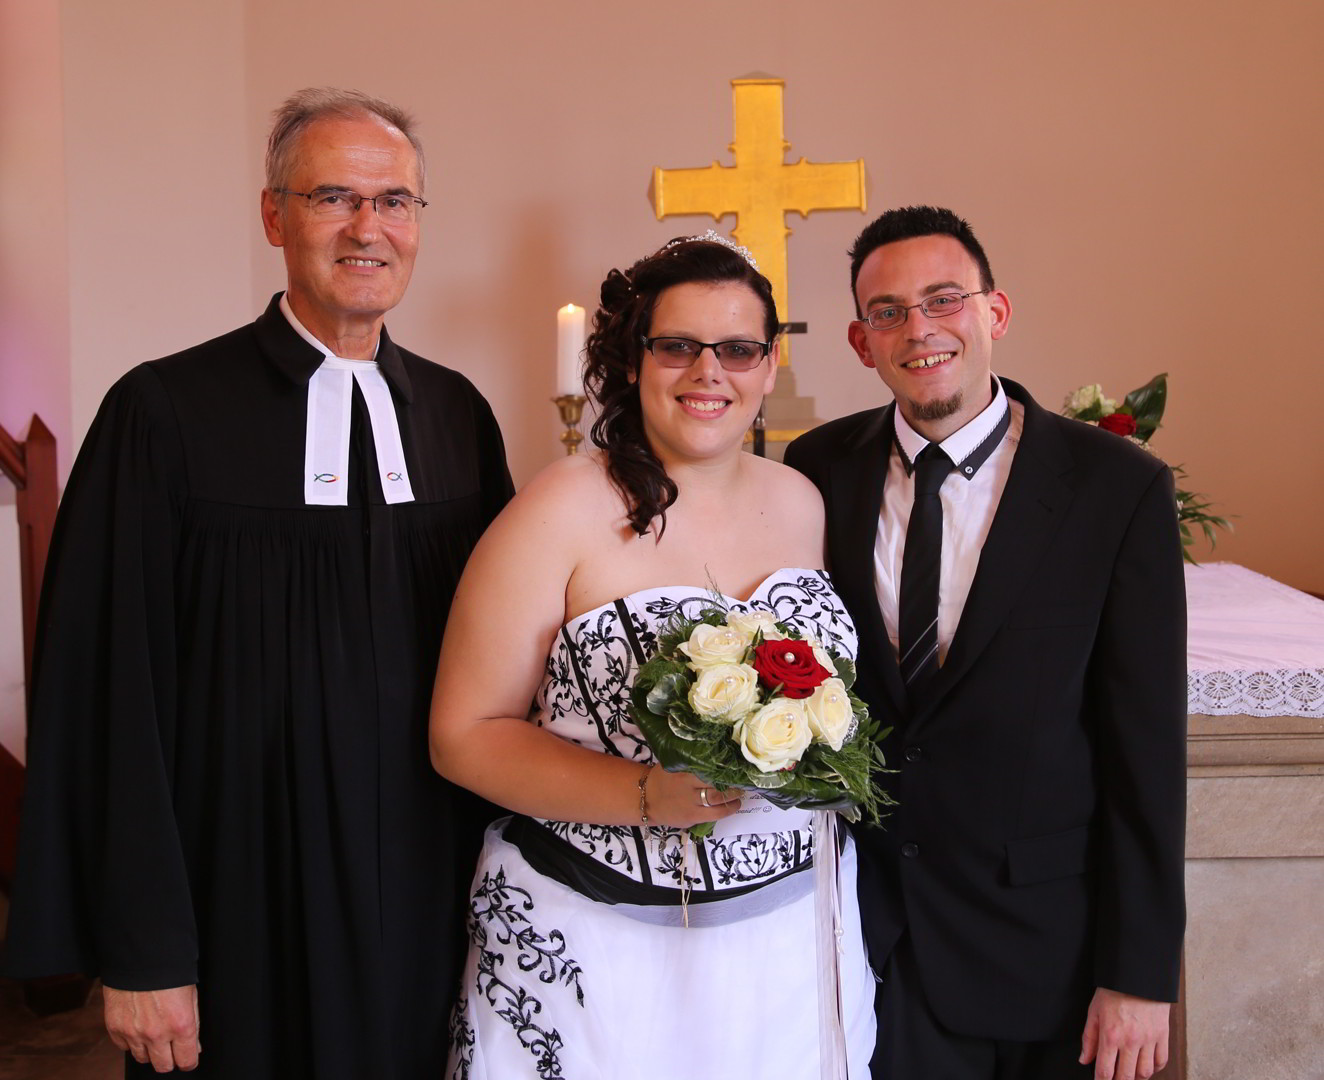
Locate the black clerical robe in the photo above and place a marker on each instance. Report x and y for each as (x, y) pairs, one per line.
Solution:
(228, 776)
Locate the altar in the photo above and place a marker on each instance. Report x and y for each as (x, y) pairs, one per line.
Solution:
(1254, 958)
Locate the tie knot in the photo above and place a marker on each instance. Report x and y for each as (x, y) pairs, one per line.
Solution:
(931, 469)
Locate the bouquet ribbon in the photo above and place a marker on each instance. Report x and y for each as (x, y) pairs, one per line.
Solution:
(828, 936)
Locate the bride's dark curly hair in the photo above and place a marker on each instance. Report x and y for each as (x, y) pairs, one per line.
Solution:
(615, 351)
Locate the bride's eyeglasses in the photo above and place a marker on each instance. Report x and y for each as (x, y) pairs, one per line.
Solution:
(679, 352)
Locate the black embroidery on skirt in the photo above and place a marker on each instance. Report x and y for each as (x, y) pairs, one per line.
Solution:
(497, 914)
(462, 1039)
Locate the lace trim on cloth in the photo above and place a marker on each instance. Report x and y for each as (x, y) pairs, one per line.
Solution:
(1283, 692)
(1255, 646)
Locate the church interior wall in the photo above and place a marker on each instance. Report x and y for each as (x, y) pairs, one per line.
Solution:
(1143, 176)
(34, 291)
(34, 238)
(161, 205)
(1137, 173)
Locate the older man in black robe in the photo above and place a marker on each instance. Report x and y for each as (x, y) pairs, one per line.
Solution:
(231, 817)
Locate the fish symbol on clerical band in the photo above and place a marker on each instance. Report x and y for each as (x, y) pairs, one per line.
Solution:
(394, 476)
(325, 477)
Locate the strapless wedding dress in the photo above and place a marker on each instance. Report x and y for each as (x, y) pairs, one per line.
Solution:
(580, 962)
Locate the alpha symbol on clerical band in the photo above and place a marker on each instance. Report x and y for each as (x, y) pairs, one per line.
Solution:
(325, 478)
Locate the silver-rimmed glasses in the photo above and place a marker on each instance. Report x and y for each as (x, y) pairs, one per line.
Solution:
(890, 316)
(396, 208)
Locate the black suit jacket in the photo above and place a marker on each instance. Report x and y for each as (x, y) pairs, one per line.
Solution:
(1036, 851)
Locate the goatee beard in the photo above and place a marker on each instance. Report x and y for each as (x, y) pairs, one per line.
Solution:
(934, 410)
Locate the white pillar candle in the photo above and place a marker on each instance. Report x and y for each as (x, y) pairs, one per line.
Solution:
(569, 344)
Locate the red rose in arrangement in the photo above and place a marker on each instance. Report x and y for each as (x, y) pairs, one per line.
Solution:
(790, 663)
(1119, 423)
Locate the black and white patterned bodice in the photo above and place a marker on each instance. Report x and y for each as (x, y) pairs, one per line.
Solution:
(584, 699)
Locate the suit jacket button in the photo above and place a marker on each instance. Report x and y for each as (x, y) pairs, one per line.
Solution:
(914, 753)
(910, 850)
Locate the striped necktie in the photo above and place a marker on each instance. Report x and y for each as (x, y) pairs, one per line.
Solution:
(917, 621)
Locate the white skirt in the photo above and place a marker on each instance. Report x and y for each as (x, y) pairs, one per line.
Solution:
(560, 985)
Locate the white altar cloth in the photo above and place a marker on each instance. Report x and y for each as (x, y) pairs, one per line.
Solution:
(1255, 646)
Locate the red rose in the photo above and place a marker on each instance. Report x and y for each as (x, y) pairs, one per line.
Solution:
(790, 663)
(1119, 423)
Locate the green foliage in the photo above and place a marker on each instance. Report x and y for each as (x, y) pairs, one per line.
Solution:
(1193, 513)
(671, 685)
(1146, 404)
(845, 669)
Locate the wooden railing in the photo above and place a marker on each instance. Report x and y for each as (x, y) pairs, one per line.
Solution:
(30, 465)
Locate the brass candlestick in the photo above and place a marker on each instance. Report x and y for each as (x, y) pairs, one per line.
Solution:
(571, 407)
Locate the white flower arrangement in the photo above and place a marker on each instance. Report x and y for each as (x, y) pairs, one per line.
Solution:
(743, 700)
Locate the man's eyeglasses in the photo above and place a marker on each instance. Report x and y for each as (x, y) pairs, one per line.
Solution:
(890, 316)
(337, 204)
(679, 352)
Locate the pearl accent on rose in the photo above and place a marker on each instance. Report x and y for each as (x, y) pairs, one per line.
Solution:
(788, 657)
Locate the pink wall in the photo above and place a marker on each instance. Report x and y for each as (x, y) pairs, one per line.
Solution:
(34, 291)
(162, 203)
(1138, 172)
(34, 237)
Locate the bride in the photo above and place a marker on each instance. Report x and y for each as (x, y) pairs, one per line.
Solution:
(603, 941)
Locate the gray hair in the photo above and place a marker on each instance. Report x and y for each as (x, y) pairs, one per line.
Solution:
(305, 107)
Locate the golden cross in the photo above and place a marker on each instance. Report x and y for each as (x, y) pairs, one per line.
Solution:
(761, 188)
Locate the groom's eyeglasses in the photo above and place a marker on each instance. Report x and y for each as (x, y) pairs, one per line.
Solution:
(890, 316)
(679, 352)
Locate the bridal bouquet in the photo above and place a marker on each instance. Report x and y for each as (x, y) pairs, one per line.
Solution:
(745, 701)
(1137, 418)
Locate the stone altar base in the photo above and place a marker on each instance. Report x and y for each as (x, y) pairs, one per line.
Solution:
(1254, 993)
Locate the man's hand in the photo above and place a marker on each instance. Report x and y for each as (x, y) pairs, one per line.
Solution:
(1126, 1037)
(160, 1026)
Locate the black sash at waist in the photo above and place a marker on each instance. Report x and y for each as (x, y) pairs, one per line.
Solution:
(561, 861)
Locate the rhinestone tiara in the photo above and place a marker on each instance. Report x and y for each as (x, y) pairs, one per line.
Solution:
(712, 236)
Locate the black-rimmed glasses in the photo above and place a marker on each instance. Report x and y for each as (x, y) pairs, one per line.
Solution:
(341, 204)
(680, 352)
(890, 316)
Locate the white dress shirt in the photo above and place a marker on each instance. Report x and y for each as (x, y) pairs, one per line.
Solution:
(969, 497)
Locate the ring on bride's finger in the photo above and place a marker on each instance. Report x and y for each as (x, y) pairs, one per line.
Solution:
(703, 796)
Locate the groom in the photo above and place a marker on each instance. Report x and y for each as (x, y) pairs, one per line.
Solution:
(1016, 579)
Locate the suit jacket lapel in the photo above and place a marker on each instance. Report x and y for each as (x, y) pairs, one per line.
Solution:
(1029, 514)
(857, 486)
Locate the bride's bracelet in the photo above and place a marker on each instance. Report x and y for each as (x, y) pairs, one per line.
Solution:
(643, 795)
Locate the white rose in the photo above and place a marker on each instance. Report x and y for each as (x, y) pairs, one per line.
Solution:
(710, 645)
(829, 712)
(725, 692)
(1088, 398)
(752, 622)
(1083, 398)
(776, 736)
(824, 658)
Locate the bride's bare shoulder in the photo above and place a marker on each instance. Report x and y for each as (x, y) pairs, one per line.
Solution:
(785, 487)
(572, 488)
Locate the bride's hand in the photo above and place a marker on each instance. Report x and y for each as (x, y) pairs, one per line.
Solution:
(681, 799)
